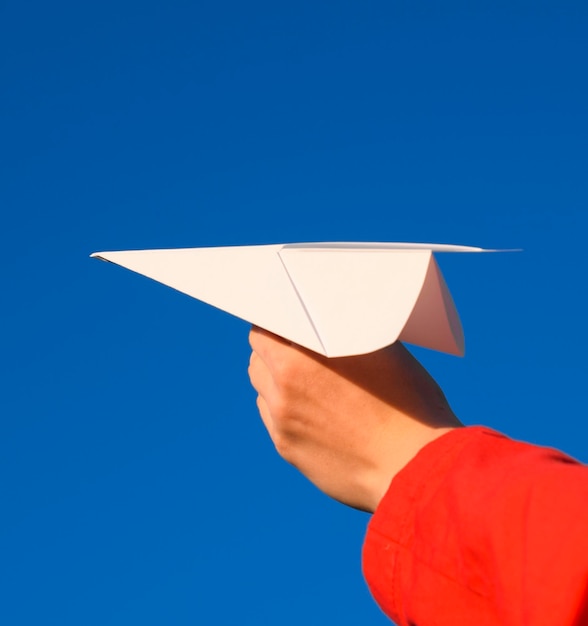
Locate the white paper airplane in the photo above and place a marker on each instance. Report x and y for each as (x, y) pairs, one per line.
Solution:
(338, 299)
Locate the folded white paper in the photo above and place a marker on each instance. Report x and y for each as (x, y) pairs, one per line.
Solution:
(338, 299)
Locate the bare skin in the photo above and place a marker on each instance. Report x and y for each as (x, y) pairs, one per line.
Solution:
(348, 424)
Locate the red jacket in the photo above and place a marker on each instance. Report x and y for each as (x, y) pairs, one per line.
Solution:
(480, 530)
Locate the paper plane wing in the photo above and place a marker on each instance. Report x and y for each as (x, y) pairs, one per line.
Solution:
(335, 299)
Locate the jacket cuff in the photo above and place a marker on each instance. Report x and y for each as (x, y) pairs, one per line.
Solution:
(391, 530)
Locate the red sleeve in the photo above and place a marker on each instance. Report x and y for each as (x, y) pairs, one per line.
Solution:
(480, 530)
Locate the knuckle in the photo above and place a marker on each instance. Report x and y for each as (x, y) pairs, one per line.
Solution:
(283, 445)
(285, 373)
(257, 338)
(253, 336)
(254, 360)
(251, 369)
(255, 371)
(252, 378)
(280, 411)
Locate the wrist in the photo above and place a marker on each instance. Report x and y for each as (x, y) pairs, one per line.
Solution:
(396, 454)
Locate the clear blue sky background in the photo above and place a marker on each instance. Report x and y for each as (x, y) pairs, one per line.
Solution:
(137, 483)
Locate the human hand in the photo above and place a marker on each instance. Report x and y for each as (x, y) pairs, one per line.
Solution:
(348, 424)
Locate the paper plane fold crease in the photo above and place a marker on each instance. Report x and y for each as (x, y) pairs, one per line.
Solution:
(337, 299)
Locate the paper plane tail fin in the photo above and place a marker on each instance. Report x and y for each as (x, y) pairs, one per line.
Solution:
(434, 321)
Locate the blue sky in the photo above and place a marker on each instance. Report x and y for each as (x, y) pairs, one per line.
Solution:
(137, 482)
